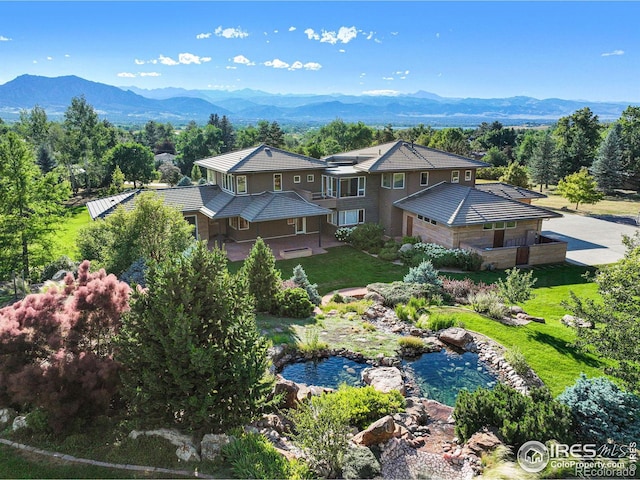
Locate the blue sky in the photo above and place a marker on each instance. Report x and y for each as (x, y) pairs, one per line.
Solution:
(572, 50)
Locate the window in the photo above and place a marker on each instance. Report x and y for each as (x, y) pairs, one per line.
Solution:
(398, 180)
(227, 182)
(455, 176)
(311, 178)
(511, 224)
(191, 220)
(277, 182)
(424, 178)
(329, 186)
(291, 221)
(467, 175)
(233, 222)
(332, 218)
(386, 180)
(487, 226)
(498, 226)
(241, 184)
(238, 223)
(211, 176)
(352, 187)
(296, 179)
(427, 220)
(351, 217)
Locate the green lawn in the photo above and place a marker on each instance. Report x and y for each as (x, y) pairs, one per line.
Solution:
(78, 217)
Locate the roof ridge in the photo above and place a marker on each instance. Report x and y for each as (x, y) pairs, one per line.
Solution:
(453, 216)
(244, 159)
(384, 156)
(420, 192)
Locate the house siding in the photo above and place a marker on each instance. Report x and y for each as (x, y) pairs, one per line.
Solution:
(272, 229)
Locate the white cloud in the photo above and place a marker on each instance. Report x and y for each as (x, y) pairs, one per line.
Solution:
(49, 58)
(387, 78)
(230, 32)
(275, 31)
(342, 50)
(394, 33)
(377, 40)
(139, 62)
(4, 39)
(202, 36)
(292, 29)
(329, 37)
(437, 34)
(613, 53)
(276, 63)
(188, 58)
(370, 36)
(242, 60)
(346, 34)
(126, 75)
(66, 55)
(386, 93)
(312, 66)
(150, 74)
(231, 67)
(167, 60)
(406, 72)
(311, 34)
(363, 75)
(35, 61)
(297, 65)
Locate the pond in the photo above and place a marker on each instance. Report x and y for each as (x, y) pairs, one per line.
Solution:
(441, 375)
(326, 372)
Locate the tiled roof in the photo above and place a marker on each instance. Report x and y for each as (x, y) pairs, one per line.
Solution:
(509, 191)
(211, 201)
(459, 205)
(260, 159)
(403, 156)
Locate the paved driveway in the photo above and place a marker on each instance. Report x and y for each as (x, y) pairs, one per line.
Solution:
(591, 241)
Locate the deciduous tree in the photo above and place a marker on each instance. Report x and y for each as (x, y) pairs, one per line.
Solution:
(580, 187)
(134, 160)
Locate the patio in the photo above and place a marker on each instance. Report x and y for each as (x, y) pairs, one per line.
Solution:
(238, 251)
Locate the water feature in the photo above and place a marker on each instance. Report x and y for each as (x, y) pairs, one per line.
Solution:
(441, 375)
(326, 372)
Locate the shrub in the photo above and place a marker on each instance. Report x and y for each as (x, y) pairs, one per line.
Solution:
(369, 327)
(441, 257)
(360, 463)
(293, 303)
(366, 236)
(441, 321)
(375, 250)
(169, 173)
(343, 234)
(253, 456)
(401, 292)
(490, 173)
(497, 310)
(424, 274)
(517, 286)
(485, 302)
(357, 306)
(263, 279)
(389, 254)
(323, 434)
(602, 411)
(460, 290)
(411, 342)
(135, 274)
(516, 359)
(518, 418)
(410, 240)
(337, 298)
(312, 343)
(300, 280)
(56, 349)
(62, 263)
(184, 182)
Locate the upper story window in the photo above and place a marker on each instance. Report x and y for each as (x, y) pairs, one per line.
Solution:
(398, 180)
(467, 175)
(241, 184)
(455, 176)
(227, 182)
(211, 176)
(386, 180)
(296, 179)
(424, 178)
(352, 187)
(277, 182)
(310, 178)
(329, 186)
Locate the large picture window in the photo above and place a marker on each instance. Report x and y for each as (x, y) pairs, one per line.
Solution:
(351, 217)
(352, 187)
(227, 182)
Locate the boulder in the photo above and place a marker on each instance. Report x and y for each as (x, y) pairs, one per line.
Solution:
(279, 423)
(6, 416)
(480, 442)
(186, 450)
(458, 337)
(211, 445)
(407, 247)
(19, 422)
(384, 379)
(60, 275)
(378, 432)
(375, 297)
(515, 309)
(571, 321)
(187, 453)
(525, 317)
(416, 408)
(289, 391)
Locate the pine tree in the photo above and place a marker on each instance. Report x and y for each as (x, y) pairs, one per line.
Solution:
(190, 348)
(543, 164)
(45, 160)
(262, 277)
(607, 166)
(196, 173)
(117, 181)
(301, 280)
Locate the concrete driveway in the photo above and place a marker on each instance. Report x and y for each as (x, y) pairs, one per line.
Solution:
(591, 241)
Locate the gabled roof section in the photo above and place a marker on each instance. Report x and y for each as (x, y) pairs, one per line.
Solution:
(509, 191)
(104, 206)
(280, 205)
(458, 205)
(403, 156)
(260, 159)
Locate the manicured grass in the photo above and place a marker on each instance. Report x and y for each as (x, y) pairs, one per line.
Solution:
(622, 204)
(340, 267)
(78, 217)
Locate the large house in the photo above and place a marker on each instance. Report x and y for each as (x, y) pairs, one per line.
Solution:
(408, 189)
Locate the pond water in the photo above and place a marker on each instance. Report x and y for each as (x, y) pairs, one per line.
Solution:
(326, 372)
(441, 375)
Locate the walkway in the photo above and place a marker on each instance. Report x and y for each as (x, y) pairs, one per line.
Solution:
(239, 251)
(591, 241)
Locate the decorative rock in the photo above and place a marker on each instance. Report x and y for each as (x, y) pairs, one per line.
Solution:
(456, 336)
(186, 450)
(571, 321)
(384, 379)
(187, 453)
(6, 416)
(526, 317)
(212, 444)
(407, 247)
(416, 408)
(19, 422)
(484, 441)
(515, 309)
(59, 275)
(279, 423)
(378, 432)
(289, 391)
(374, 296)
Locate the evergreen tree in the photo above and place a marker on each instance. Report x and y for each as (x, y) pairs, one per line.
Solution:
(117, 181)
(579, 187)
(196, 173)
(263, 279)
(516, 175)
(45, 160)
(276, 135)
(301, 280)
(189, 347)
(607, 166)
(228, 135)
(543, 164)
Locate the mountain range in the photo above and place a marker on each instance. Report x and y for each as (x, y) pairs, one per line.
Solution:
(131, 105)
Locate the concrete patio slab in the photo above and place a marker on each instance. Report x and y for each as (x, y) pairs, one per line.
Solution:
(591, 241)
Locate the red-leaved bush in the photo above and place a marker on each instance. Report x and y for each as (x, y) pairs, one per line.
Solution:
(56, 349)
(459, 290)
